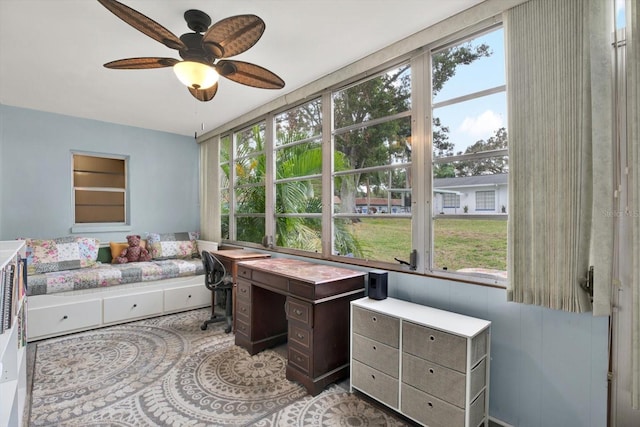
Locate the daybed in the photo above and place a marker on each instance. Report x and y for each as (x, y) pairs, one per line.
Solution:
(72, 285)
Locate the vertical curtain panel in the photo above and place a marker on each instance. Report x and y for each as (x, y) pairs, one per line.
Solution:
(209, 190)
(633, 150)
(559, 128)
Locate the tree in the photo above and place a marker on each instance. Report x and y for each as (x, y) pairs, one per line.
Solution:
(486, 166)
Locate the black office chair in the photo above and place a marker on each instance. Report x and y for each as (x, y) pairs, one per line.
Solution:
(220, 284)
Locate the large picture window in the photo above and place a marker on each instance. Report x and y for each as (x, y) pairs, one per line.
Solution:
(373, 171)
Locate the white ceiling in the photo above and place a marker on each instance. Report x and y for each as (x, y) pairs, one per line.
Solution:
(52, 51)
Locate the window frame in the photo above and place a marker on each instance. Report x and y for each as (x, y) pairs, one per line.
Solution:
(83, 227)
(421, 118)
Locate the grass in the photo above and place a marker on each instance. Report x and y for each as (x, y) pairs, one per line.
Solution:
(459, 243)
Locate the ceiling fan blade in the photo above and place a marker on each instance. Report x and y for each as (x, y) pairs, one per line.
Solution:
(204, 95)
(233, 35)
(144, 24)
(249, 74)
(141, 63)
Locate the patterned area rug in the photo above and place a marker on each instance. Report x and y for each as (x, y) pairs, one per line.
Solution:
(167, 372)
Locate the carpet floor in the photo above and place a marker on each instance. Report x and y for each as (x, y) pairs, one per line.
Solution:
(165, 371)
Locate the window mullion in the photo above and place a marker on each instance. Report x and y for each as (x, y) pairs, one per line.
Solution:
(327, 174)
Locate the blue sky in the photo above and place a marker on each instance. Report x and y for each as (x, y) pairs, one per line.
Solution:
(478, 119)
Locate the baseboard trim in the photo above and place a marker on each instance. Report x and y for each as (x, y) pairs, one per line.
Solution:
(499, 422)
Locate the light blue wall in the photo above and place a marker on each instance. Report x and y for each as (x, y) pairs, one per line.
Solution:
(548, 367)
(35, 174)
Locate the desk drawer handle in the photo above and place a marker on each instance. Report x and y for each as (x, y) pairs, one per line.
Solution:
(297, 312)
(298, 358)
(243, 309)
(243, 290)
(299, 335)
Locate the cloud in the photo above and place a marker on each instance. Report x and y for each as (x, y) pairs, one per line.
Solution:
(482, 126)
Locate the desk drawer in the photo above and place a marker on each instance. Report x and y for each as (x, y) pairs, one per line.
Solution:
(300, 336)
(243, 328)
(437, 346)
(378, 327)
(243, 310)
(271, 280)
(299, 311)
(243, 292)
(300, 360)
(244, 272)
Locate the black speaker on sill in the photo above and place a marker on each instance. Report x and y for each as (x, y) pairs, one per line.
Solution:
(377, 287)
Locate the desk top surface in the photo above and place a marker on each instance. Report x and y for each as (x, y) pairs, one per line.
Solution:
(302, 270)
(239, 254)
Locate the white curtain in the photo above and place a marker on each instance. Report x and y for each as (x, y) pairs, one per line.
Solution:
(209, 190)
(560, 153)
(633, 150)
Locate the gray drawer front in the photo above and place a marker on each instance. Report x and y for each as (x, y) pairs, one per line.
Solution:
(434, 345)
(479, 346)
(377, 355)
(447, 384)
(375, 383)
(477, 410)
(430, 410)
(379, 327)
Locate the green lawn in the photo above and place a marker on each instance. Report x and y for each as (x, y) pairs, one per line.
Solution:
(459, 243)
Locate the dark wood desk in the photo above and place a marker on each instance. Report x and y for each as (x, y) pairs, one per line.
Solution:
(230, 258)
(304, 304)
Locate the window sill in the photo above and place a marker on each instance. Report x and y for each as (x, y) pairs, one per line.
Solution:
(99, 228)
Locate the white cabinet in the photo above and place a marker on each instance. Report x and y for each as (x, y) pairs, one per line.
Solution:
(13, 366)
(430, 365)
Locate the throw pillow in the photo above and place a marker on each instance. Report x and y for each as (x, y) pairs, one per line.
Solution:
(173, 245)
(62, 253)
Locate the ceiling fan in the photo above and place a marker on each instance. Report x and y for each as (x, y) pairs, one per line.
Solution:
(203, 51)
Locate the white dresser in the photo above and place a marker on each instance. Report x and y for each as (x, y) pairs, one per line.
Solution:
(430, 365)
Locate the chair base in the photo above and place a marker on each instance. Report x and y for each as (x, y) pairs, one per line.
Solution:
(215, 319)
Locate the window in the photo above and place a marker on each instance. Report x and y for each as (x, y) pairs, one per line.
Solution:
(298, 177)
(485, 200)
(470, 152)
(99, 189)
(372, 167)
(249, 186)
(450, 200)
(377, 168)
(224, 173)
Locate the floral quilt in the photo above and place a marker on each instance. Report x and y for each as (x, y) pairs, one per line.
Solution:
(103, 275)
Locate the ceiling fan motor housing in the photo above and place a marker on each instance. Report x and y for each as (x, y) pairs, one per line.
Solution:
(194, 50)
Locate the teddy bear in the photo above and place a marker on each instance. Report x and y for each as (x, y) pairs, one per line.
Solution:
(134, 252)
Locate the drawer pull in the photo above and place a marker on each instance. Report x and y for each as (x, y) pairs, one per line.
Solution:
(189, 296)
(374, 318)
(430, 404)
(244, 309)
(298, 358)
(374, 347)
(297, 312)
(65, 317)
(432, 338)
(431, 370)
(373, 376)
(135, 305)
(299, 335)
(243, 290)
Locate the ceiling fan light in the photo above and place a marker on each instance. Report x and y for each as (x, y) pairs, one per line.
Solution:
(196, 75)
